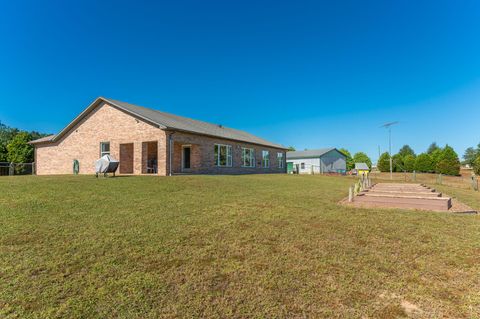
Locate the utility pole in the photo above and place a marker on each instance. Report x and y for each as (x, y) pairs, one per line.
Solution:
(388, 126)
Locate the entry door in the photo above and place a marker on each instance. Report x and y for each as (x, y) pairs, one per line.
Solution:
(186, 157)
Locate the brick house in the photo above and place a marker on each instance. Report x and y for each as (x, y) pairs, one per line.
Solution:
(147, 141)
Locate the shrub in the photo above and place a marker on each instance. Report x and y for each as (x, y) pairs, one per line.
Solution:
(424, 163)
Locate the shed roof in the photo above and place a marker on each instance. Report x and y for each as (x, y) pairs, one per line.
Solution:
(361, 166)
(310, 153)
(168, 121)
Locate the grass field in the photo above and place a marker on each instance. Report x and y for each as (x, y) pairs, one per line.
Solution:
(265, 246)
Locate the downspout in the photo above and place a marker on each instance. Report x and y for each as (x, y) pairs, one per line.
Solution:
(170, 152)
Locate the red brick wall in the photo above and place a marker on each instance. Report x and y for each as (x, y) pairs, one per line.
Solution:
(203, 159)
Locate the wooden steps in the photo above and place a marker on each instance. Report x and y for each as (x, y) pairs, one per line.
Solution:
(412, 196)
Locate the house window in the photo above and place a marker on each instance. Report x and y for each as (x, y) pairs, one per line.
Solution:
(248, 157)
(265, 159)
(280, 160)
(223, 155)
(104, 148)
(302, 165)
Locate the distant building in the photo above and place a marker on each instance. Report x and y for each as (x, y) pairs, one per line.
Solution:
(361, 168)
(325, 160)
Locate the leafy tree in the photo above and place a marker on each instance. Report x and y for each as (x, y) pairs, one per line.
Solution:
(435, 156)
(409, 163)
(471, 155)
(291, 149)
(432, 148)
(406, 150)
(448, 163)
(6, 135)
(424, 163)
(19, 151)
(361, 157)
(476, 165)
(398, 165)
(350, 163)
(384, 162)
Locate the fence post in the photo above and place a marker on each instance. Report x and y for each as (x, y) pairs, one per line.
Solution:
(11, 169)
(474, 182)
(33, 168)
(414, 176)
(439, 179)
(350, 194)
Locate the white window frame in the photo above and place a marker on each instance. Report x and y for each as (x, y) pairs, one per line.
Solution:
(251, 156)
(102, 152)
(265, 159)
(228, 152)
(280, 160)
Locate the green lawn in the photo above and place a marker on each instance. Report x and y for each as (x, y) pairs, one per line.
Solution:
(265, 246)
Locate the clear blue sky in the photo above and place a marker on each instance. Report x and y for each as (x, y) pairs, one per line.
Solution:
(308, 74)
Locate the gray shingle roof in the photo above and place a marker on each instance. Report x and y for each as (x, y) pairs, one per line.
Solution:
(173, 122)
(361, 166)
(309, 153)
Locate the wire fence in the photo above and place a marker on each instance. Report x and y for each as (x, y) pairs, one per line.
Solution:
(11, 169)
(463, 181)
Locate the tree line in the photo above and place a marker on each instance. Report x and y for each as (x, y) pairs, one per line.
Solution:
(435, 160)
(14, 147)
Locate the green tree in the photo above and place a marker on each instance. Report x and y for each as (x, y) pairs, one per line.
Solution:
(291, 149)
(6, 135)
(424, 163)
(406, 150)
(471, 155)
(19, 151)
(350, 163)
(383, 164)
(435, 156)
(398, 165)
(448, 163)
(476, 165)
(432, 148)
(361, 157)
(409, 163)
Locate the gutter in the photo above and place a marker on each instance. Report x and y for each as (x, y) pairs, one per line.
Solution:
(170, 152)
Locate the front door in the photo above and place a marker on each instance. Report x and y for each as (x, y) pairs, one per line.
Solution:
(186, 157)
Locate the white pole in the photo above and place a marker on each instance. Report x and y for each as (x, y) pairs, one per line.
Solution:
(390, 151)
